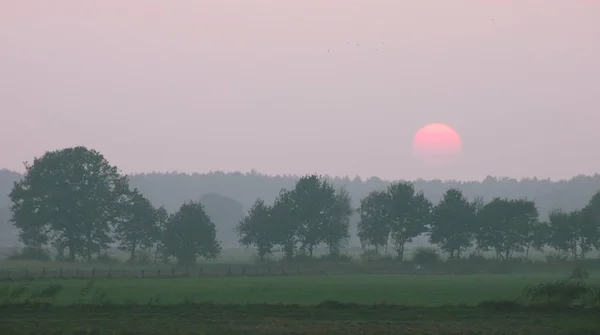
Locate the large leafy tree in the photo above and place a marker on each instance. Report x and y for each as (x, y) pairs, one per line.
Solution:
(452, 223)
(337, 226)
(69, 197)
(506, 225)
(190, 234)
(589, 235)
(286, 224)
(537, 237)
(138, 228)
(564, 228)
(373, 227)
(162, 218)
(577, 232)
(257, 229)
(314, 200)
(408, 212)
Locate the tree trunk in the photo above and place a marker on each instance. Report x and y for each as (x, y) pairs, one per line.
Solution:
(132, 255)
(400, 252)
(71, 253)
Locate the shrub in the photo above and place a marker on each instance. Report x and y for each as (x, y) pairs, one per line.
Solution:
(564, 293)
(579, 273)
(426, 256)
(31, 254)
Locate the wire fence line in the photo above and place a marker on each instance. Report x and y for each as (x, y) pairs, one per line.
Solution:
(174, 272)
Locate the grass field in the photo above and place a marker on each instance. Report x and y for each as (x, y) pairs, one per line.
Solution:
(327, 304)
(305, 290)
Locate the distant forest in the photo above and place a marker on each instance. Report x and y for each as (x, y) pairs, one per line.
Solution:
(228, 196)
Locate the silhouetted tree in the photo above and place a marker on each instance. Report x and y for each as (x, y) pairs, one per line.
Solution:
(257, 229)
(72, 196)
(162, 221)
(337, 225)
(373, 227)
(505, 225)
(452, 223)
(314, 199)
(283, 213)
(191, 234)
(407, 212)
(138, 227)
(590, 225)
(564, 230)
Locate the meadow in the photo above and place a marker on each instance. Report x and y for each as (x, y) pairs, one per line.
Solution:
(304, 290)
(308, 297)
(300, 304)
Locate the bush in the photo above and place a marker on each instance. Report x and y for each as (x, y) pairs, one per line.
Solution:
(31, 254)
(563, 293)
(426, 256)
(579, 273)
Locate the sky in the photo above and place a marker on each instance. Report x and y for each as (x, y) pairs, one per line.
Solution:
(334, 87)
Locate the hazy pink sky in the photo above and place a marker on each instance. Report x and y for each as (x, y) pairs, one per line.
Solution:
(333, 87)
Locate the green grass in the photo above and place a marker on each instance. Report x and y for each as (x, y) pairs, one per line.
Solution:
(304, 290)
(366, 304)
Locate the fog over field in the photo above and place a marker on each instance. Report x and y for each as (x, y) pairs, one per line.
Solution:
(228, 196)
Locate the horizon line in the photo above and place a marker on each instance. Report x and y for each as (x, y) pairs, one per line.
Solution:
(338, 177)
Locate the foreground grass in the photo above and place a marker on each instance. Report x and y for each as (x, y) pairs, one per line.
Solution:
(303, 290)
(293, 319)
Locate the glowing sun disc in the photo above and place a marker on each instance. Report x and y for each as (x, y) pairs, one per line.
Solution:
(437, 140)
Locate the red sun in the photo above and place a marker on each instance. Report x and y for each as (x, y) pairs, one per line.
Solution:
(437, 140)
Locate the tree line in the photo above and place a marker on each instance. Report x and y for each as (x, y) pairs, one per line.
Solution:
(74, 201)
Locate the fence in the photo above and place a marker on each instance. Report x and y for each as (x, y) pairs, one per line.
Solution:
(291, 269)
(89, 273)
